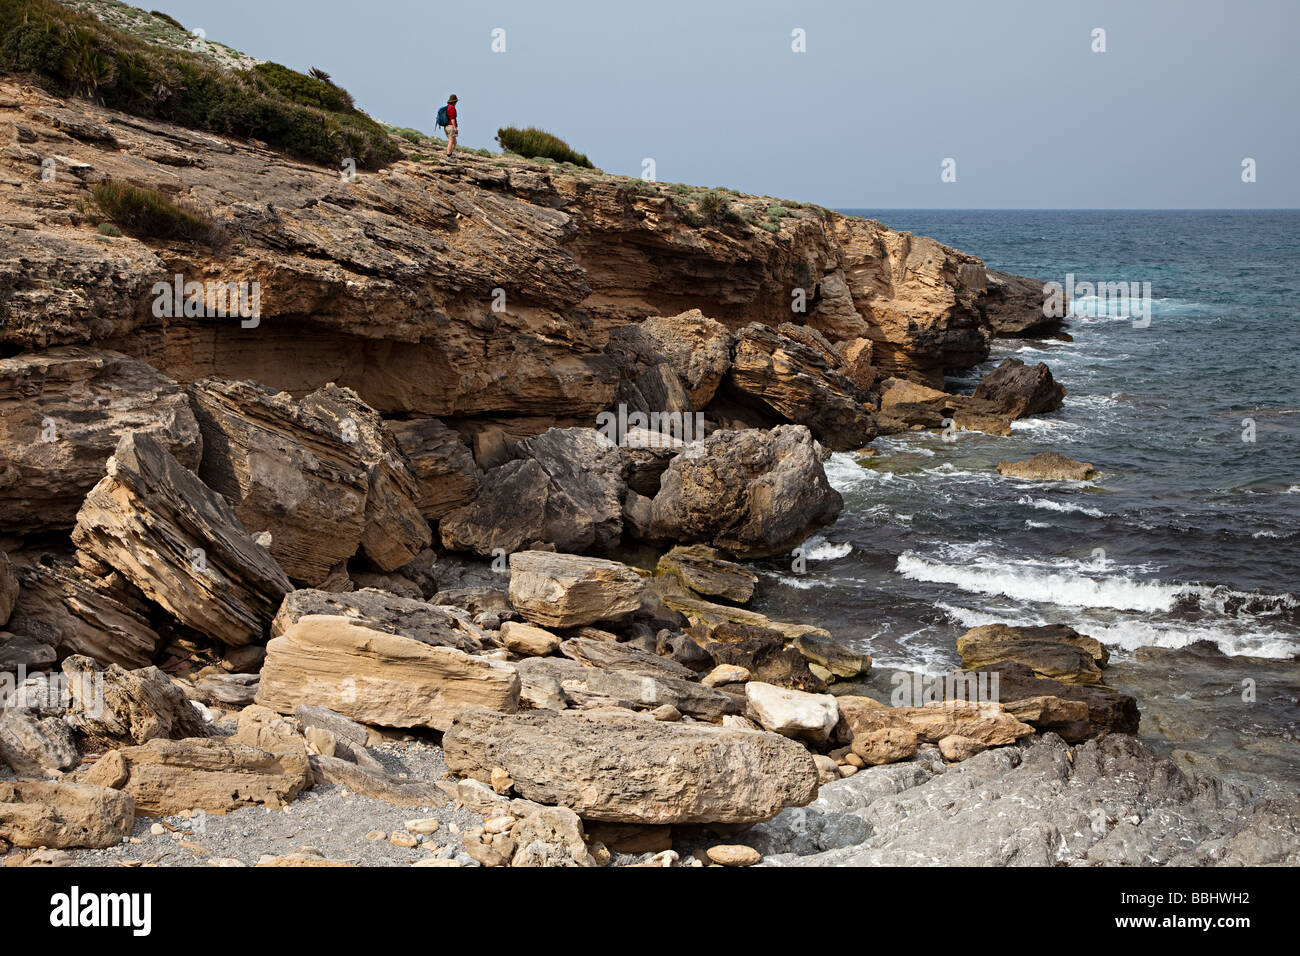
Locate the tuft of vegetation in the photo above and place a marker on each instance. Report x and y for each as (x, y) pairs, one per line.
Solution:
(71, 53)
(538, 144)
(148, 214)
(108, 229)
(162, 16)
(714, 207)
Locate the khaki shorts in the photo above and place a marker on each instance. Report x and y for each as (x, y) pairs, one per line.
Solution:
(451, 129)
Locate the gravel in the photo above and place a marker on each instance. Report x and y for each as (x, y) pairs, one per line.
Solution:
(327, 821)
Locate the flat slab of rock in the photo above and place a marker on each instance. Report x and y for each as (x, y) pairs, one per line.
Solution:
(165, 777)
(180, 543)
(987, 723)
(626, 688)
(380, 611)
(625, 770)
(622, 657)
(568, 590)
(60, 815)
(63, 412)
(378, 678)
(527, 640)
(1055, 651)
(753, 493)
(1048, 464)
(706, 571)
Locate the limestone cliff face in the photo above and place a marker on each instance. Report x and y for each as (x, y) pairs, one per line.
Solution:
(476, 289)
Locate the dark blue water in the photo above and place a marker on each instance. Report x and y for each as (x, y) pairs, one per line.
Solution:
(1189, 532)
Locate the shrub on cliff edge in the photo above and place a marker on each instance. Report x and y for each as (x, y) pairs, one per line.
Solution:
(148, 214)
(536, 143)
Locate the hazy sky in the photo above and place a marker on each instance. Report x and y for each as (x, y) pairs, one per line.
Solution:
(712, 91)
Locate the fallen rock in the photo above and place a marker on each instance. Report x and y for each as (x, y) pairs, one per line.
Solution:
(705, 571)
(881, 743)
(380, 611)
(442, 464)
(762, 652)
(379, 678)
(697, 347)
(375, 783)
(1055, 651)
(165, 777)
(726, 674)
(113, 706)
(800, 384)
(1109, 711)
(180, 543)
(552, 836)
(752, 493)
(1018, 389)
(956, 748)
(528, 641)
(632, 689)
(791, 713)
(62, 413)
(19, 652)
(594, 653)
(733, 854)
(55, 815)
(564, 488)
(985, 722)
(1047, 464)
(566, 590)
(635, 771)
(837, 659)
(395, 530)
(73, 612)
(1017, 307)
(36, 746)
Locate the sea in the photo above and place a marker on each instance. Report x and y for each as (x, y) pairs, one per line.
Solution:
(1186, 400)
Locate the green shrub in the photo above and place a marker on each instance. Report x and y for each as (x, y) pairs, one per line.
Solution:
(148, 214)
(539, 144)
(71, 53)
(715, 207)
(172, 20)
(108, 229)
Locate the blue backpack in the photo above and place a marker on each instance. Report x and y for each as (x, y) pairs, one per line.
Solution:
(443, 118)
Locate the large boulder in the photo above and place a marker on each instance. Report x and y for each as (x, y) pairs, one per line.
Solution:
(164, 777)
(443, 466)
(395, 530)
(791, 713)
(1019, 389)
(113, 705)
(61, 815)
(381, 611)
(36, 746)
(697, 347)
(705, 571)
(285, 470)
(568, 590)
(62, 412)
(379, 678)
(1048, 465)
(180, 543)
(1109, 710)
(874, 731)
(1053, 651)
(74, 611)
(1017, 307)
(628, 770)
(799, 383)
(752, 493)
(564, 488)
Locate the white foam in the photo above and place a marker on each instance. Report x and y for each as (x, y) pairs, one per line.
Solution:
(1045, 505)
(1023, 584)
(819, 549)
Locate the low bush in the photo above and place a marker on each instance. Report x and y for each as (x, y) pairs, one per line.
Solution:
(148, 214)
(538, 144)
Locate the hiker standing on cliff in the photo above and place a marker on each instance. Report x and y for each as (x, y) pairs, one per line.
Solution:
(447, 120)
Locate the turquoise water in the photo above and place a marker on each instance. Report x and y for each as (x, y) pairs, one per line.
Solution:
(1188, 533)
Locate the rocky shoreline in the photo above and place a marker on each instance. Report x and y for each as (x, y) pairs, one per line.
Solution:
(443, 553)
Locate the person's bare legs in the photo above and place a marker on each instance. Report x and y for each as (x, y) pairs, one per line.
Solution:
(451, 139)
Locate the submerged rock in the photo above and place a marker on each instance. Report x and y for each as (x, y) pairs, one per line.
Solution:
(1048, 464)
